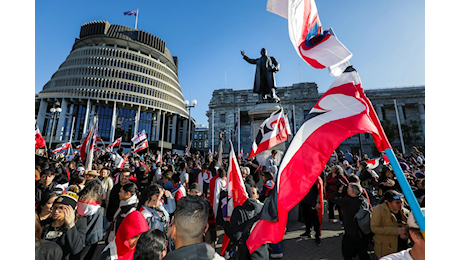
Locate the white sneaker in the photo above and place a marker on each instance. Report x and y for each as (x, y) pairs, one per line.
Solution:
(280, 255)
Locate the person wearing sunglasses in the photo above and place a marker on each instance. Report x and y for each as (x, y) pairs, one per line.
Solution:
(388, 223)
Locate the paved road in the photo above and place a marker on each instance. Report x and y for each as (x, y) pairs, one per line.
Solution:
(295, 247)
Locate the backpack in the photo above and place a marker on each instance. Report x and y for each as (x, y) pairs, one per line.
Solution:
(363, 219)
(235, 247)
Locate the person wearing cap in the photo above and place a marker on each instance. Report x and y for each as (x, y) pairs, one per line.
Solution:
(417, 252)
(66, 228)
(352, 243)
(272, 162)
(388, 222)
(347, 168)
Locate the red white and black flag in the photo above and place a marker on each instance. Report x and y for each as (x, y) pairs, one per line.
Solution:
(87, 147)
(272, 131)
(141, 146)
(187, 149)
(39, 141)
(374, 163)
(116, 143)
(343, 111)
(63, 147)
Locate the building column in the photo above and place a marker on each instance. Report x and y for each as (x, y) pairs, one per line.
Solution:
(136, 121)
(158, 121)
(42, 114)
(114, 122)
(184, 132)
(174, 127)
(401, 113)
(421, 110)
(60, 125)
(85, 124)
(92, 115)
(379, 111)
(68, 127)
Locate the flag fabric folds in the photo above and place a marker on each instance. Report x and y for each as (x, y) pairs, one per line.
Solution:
(116, 143)
(39, 141)
(87, 147)
(158, 158)
(119, 162)
(130, 13)
(320, 49)
(187, 149)
(374, 163)
(237, 194)
(139, 137)
(343, 111)
(63, 147)
(271, 132)
(141, 146)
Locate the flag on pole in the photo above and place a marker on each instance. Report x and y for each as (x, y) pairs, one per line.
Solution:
(143, 145)
(240, 155)
(87, 147)
(39, 141)
(343, 111)
(187, 150)
(139, 137)
(98, 138)
(63, 147)
(271, 132)
(78, 146)
(374, 163)
(116, 143)
(130, 13)
(320, 49)
(118, 161)
(158, 158)
(237, 194)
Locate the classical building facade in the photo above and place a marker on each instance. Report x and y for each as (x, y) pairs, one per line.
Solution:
(300, 98)
(200, 138)
(127, 77)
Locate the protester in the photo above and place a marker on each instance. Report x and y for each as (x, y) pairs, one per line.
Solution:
(210, 235)
(45, 206)
(187, 229)
(388, 221)
(367, 177)
(151, 245)
(45, 250)
(45, 184)
(347, 168)
(89, 175)
(268, 186)
(128, 203)
(154, 211)
(107, 185)
(333, 184)
(387, 180)
(417, 252)
(184, 176)
(239, 226)
(352, 244)
(114, 198)
(178, 191)
(66, 228)
(309, 207)
(124, 244)
(89, 206)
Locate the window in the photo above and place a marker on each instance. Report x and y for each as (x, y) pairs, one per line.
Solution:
(244, 98)
(222, 118)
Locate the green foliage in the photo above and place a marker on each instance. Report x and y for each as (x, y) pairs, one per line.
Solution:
(391, 130)
(411, 133)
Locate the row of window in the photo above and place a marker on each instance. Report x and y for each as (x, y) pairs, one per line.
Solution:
(97, 61)
(103, 94)
(123, 54)
(112, 84)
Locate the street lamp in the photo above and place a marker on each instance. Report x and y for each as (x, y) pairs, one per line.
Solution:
(189, 118)
(54, 110)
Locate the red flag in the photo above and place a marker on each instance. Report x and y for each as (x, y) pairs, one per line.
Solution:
(87, 147)
(39, 141)
(271, 132)
(63, 147)
(158, 158)
(78, 147)
(98, 138)
(374, 163)
(116, 143)
(343, 111)
(236, 192)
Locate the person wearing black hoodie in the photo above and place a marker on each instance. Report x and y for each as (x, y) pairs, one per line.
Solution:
(240, 223)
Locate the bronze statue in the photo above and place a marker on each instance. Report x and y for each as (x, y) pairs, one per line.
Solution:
(264, 82)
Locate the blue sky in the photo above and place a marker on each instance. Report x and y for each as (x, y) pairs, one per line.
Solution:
(387, 39)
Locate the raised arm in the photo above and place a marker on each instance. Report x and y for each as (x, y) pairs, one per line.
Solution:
(246, 58)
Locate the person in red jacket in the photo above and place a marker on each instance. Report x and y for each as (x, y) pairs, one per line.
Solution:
(333, 184)
(124, 245)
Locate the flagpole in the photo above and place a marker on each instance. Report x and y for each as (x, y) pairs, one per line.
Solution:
(137, 15)
(239, 130)
(71, 133)
(162, 135)
(407, 190)
(293, 119)
(399, 127)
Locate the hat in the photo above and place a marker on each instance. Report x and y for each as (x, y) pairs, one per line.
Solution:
(363, 163)
(168, 185)
(345, 162)
(69, 198)
(411, 222)
(92, 172)
(195, 187)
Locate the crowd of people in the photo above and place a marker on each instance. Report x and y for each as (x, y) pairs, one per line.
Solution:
(172, 208)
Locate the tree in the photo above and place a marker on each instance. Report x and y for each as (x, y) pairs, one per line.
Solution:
(391, 130)
(411, 133)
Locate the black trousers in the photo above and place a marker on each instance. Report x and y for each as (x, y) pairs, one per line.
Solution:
(330, 209)
(353, 246)
(310, 216)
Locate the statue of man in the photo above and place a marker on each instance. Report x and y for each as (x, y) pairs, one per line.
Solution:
(264, 82)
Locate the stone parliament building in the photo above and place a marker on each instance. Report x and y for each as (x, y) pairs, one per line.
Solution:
(300, 98)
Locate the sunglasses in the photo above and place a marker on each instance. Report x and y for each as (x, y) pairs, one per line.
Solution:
(398, 196)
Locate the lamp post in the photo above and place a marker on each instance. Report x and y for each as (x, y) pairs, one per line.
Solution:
(54, 110)
(190, 118)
